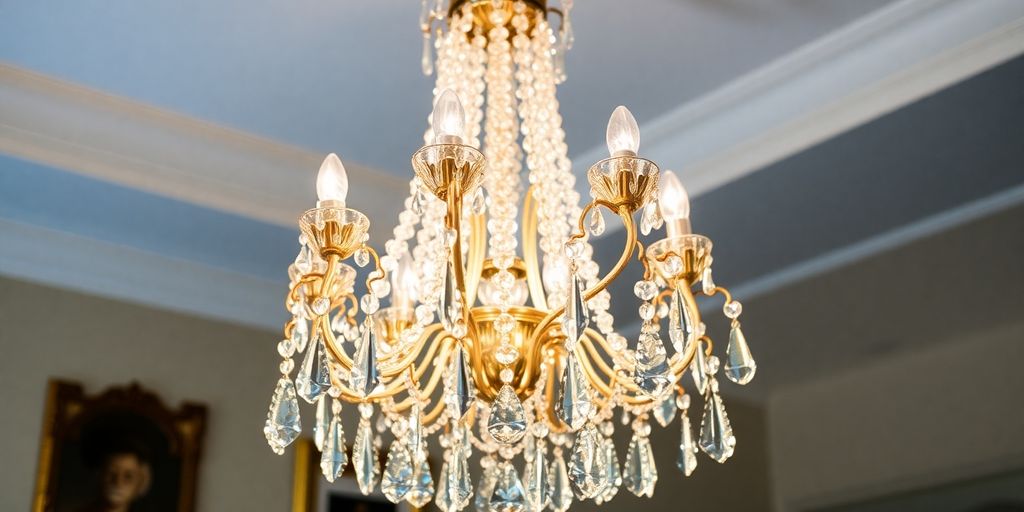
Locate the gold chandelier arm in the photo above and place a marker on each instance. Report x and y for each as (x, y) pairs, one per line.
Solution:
(477, 255)
(533, 272)
(437, 367)
(378, 272)
(398, 362)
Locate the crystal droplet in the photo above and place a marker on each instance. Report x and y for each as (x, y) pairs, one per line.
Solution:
(740, 365)
(364, 377)
(640, 472)
(447, 307)
(507, 422)
(461, 393)
(613, 478)
(653, 375)
(364, 458)
(397, 478)
(561, 491)
(535, 477)
(422, 489)
(283, 423)
(716, 437)
(447, 496)
(303, 260)
(314, 377)
(577, 317)
(488, 479)
(687, 461)
(665, 411)
(479, 205)
(558, 62)
(300, 334)
(459, 476)
(361, 257)
(680, 324)
(699, 369)
(647, 218)
(587, 465)
(323, 422)
(574, 405)
(508, 494)
(427, 59)
(333, 458)
(596, 222)
(416, 433)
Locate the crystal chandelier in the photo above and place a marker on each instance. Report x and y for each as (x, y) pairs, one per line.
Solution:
(498, 349)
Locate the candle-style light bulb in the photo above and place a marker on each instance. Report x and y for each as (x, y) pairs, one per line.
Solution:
(448, 119)
(623, 135)
(404, 284)
(674, 204)
(332, 182)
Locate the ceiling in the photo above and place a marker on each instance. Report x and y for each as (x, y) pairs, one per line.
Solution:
(838, 152)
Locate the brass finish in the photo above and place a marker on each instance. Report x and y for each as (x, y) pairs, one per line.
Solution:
(534, 277)
(624, 181)
(392, 321)
(334, 231)
(518, 269)
(483, 12)
(449, 169)
(693, 250)
(482, 350)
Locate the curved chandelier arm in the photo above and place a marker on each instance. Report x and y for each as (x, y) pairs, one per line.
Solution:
(476, 256)
(534, 279)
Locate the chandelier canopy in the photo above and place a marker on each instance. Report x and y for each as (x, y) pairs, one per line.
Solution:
(495, 348)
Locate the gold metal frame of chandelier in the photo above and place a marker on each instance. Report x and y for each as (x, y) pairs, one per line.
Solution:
(483, 10)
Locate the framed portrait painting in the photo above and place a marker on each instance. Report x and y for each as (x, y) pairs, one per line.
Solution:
(120, 449)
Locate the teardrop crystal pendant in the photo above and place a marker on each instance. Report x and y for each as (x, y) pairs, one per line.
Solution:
(479, 205)
(647, 218)
(416, 433)
(300, 334)
(333, 458)
(653, 375)
(507, 422)
(574, 405)
(314, 377)
(323, 422)
(283, 423)
(740, 365)
(460, 393)
(680, 325)
(447, 306)
(508, 494)
(716, 437)
(535, 478)
(596, 222)
(640, 473)
(422, 489)
(459, 475)
(587, 465)
(427, 59)
(364, 458)
(561, 489)
(699, 369)
(613, 478)
(577, 316)
(687, 461)
(488, 480)
(447, 498)
(364, 377)
(397, 479)
(665, 411)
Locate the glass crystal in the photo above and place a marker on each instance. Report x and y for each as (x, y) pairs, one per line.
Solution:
(461, 392)
(364, 377)
(716, 437)
(447, 497)
(427, 56)
(574, 405)
(506, 354)
(653, 374)
(488, 479)
(507, 422)
(364, 458)
(587, 465)
(507, 375)
(640, 474)
(699, 369)
(333, 458)
(300, 334)
(286, 347)
(613, 478)
(397, 478)
(687, 461)
(645, 290)
(577, 317)
(286, 366)
(535, 477)
(422, 489)
(508, 494)
(561, 489)
(647, 218)
(361, 257)
(303, 261)
(665, 411)
(369, 303)
(596, 222)
(740, 366)
(479, 205)
(415, 435)
(680, 326)
(314, 377)
(447, 307)
(732, 309)
(283, 423)
(673, 265)
(321, 305)
(707, 283)
(323, 422)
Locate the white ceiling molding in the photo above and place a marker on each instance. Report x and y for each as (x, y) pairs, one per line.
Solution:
(124, 273)
(82, 130)
(871, 67)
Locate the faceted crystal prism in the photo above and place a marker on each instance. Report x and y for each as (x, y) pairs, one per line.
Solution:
(508, 494)
(448, 307)
(323, 422)
(561, 491)
(587, 465)
(699, 369)
(577, 316)
(461, 392)
(687, 461)
(574, 405)
(364, 377)
(422, 489)
(283, 422)
(680, 326)
(665, 411)
(416, 434)
(488, 480)
(740, 365)
(300, 334)
(640, 474)
(458, 475)
(364, 458)
(314, 377)
(612, 479)
(507, 423)
(653, 375)
(333, 458)
(397, 479)
(535, 478)
(447, 498)
(716, 437)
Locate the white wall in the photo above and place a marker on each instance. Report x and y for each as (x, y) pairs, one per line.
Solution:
(52, 333)
(947, 413)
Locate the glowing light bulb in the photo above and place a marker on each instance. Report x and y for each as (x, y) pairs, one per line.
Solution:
(332, 182)
(623, 135)
(404, 284)
(674, 204)
(449, 119)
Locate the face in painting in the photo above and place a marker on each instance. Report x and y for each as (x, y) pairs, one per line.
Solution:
(125, 478)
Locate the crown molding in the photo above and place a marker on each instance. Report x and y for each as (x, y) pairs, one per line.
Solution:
(78, 129)
(883, 61)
